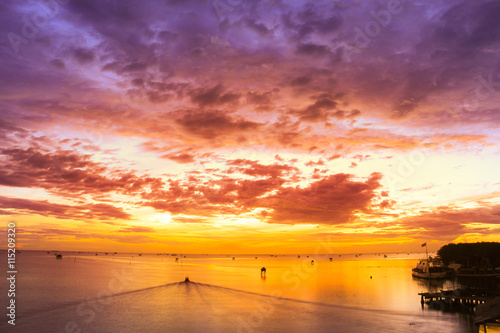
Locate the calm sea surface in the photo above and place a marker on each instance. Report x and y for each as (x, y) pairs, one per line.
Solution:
(130, 293)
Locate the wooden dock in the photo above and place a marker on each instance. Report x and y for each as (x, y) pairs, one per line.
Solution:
(454, 300)
(488, 314)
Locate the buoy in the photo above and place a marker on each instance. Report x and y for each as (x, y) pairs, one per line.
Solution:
(186, 279)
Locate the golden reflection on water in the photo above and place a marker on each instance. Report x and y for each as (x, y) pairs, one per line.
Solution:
(370, 282)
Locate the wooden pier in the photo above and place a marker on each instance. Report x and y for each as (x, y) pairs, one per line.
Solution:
(488, 315)
(453, 300)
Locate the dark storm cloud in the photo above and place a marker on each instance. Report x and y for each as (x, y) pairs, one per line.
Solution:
(268, 73)
(65, 172)
(444, 222)
(211, 124)
(182, 157)
(320, 110)
(254, 168)
(332, 200)
(425, 55)
(76, 212)
(211, 96)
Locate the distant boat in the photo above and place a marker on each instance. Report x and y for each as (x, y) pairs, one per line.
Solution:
(430, 268)
(58, 256)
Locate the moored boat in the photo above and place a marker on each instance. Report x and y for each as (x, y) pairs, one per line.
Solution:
(430, 268)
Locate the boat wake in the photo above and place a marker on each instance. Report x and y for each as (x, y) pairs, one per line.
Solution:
(195, 306)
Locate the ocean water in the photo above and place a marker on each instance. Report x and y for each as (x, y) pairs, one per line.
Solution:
(130, 293)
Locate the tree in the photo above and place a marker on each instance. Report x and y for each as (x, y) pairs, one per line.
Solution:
(471, 253)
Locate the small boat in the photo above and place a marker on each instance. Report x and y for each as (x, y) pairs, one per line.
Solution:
(430, 268)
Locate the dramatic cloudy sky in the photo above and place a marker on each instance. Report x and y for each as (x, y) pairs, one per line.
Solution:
(249, 126)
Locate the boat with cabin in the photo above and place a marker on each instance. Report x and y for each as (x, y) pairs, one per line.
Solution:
(430, 268)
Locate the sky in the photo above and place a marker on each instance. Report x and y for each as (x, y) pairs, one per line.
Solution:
(235, 126)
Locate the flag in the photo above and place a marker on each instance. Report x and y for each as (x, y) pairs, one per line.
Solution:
(425, 244)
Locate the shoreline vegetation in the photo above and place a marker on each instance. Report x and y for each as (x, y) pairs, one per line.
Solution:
(484, 255)
(475, 265)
